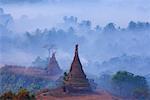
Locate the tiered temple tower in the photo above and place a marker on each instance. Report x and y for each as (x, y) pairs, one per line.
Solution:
(53, 66)
(76, 80)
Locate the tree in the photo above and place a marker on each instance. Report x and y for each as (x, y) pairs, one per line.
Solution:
(120, 79)
(65, 77)
(141, 93)
(129, 84)
(92, 84)
(132, 26)
(110, 27)
(8, 96)
(24, 94)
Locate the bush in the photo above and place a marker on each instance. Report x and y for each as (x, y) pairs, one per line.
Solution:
(141, 93)
(128, 84)
(23, 94)
(8, 96)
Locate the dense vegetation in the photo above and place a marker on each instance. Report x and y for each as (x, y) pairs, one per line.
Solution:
(128, 84)
(125, 84)
(22, 94)
(12, 82)
(98, 43)
(122, 83)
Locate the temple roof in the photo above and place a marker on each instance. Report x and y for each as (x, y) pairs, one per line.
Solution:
(52, 61)
(53, 66)
(76, 66)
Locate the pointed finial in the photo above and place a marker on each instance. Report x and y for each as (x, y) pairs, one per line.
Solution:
(53, 54)
(76, 50)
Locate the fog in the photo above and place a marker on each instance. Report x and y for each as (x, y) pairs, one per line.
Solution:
(49, 13)
(27, 26)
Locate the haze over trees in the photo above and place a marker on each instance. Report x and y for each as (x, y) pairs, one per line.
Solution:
(125, 84)
(22, 94)
(114, 37)
(100, 46)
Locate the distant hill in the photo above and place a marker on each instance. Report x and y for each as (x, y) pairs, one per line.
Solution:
(99, 95)
(33, 78)
(29, 71)
(148, 79)
(14, 77)
(135, 64)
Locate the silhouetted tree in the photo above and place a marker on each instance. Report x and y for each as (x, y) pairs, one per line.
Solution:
(110, 27)
(129, 84)
(24, 94)
(141, 93)
(132, 25)
(8, 96)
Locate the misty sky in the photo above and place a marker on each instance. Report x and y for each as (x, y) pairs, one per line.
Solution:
(48, 13)
(28, 15)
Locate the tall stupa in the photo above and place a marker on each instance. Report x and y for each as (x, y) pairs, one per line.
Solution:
(53, 66)
(76, 80)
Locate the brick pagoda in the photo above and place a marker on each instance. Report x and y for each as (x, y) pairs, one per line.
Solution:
(53, 66)
(76, 80)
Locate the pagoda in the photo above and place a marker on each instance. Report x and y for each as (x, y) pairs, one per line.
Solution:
(53, 66)
(76, 80)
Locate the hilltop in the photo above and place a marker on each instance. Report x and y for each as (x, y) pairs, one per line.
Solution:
(98, 95)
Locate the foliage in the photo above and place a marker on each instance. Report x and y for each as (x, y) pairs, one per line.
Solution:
(39, 62)
(65, 76)
(13, 82)
(92, 84)
(8, 96)
(141, 93)
(128, 84)
(23, 94)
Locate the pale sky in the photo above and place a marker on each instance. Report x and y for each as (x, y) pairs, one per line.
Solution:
(98, 11)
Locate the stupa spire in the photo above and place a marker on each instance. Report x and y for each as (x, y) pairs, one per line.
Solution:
(76, 78)
(76, 66)
(76, 49)
(53, 66)
(53, 56)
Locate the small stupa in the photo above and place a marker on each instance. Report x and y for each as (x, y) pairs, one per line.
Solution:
(53, 66)
(76, 80)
